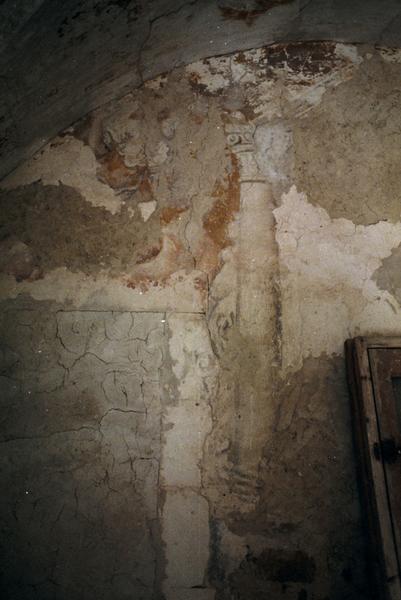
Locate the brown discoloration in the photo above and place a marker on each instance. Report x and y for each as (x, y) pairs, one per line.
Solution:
(227, 199)
(161, 264)
(143, 283)
(201, 284)
(241, 59)
(249, 16)
(117, 175)
(145, 184)
(308, 58)
(201, 88)
(198, 119)
(171, 213)
(217, 220)
(149, 254)
(173, 249)
(60, 229)
(136, 114)
(163, 114)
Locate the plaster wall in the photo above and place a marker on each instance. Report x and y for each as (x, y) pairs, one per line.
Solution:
(179, 271)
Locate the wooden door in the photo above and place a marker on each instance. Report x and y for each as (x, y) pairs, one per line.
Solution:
(386, 374)
(374, 374)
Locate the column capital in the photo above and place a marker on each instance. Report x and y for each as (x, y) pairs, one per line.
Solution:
(240, 139)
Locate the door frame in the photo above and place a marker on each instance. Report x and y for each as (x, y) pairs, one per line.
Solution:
(372, 478)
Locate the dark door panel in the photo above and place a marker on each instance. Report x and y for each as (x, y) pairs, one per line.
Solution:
(374, 375)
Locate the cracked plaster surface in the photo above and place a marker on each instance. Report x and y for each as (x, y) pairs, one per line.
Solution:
(82, 400)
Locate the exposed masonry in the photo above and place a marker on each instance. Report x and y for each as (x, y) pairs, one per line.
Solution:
(205, 444)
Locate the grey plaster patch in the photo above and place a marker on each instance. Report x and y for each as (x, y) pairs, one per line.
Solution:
(61, 229)
(388, 276)
(347, 151)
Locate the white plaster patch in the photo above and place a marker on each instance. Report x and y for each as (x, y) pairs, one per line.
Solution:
(188, 425)
(213, 73)
(185, 519)
(70, 162)
(192, 355)
(147, 209)
(327, 291)
(273, 155)
(348, 52)
(185, 528)
(190, 420)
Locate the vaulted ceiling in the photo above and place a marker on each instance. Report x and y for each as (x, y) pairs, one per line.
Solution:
(59, 60)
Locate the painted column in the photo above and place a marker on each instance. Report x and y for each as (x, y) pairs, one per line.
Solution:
(257, 306)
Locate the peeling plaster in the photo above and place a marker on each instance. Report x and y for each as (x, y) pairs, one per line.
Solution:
(70, 162)
(272, 77)
(262, 282)
(328, 293)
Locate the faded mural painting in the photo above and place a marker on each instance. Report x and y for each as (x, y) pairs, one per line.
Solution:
(179, 271)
